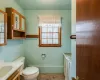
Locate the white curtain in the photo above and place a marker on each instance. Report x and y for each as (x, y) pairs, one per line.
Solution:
(50, 19)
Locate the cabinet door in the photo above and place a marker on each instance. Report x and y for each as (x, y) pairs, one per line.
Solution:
(15, 76)
(23, 24)
(16, 18)
(3, 26)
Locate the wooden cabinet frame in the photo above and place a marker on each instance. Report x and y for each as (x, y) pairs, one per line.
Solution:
(15, 76)
(15, 33)
(5, 28)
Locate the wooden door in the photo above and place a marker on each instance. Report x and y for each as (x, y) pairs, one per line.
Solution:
(88, 39)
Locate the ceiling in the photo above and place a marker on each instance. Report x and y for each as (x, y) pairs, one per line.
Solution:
(45, 4)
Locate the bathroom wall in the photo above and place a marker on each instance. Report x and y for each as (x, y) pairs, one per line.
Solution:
(53, 63)
(73, 42)
(13, 49)
(10, 3)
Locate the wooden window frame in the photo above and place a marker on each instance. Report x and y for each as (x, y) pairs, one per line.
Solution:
(50, 45)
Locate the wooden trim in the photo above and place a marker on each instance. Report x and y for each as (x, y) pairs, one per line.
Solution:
(5, 25)
(39, 36)
(32, 36)
(15, 75)
(50, 45)
(20, 24)
(25, 25)
(3, 44)
(18, 30)
(73, 37)
(12, 23)
(15, 11)
(13, 31)
(2, 11)
(18, 37)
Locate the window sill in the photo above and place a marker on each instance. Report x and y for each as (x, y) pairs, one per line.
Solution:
(49, 45)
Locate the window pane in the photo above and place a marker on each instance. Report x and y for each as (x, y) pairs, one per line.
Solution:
(49, 35)
(16, 19)
(44, 41)
(44, 25)
(49, 41)
(1, 35)
(55, 35)
(55, 29)
(50, 25)
(50, 29)
(1, 27)
(44, 35)
(1, 41)
(55, 41)
(44, 29)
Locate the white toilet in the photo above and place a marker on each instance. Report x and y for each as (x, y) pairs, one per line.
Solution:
(29, 73)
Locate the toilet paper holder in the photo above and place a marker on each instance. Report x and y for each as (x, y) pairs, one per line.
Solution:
(43, 55)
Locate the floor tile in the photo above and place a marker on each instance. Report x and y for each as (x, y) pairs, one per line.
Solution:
(51, 77)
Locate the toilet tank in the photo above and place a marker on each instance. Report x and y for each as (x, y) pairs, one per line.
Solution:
(20, 60)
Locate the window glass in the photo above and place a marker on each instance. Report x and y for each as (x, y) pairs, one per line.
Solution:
(44, 35)
(50, 36)
(55, 35)
(55, 41)
(49, 41)
(44, 41)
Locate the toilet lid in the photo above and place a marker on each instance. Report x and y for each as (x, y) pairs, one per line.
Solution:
(30, 70)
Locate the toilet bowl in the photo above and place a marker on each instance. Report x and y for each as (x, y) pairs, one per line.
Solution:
(29, 73)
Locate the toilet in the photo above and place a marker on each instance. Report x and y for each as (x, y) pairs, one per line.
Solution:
(29, 73)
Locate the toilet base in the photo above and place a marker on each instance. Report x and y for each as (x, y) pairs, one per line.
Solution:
(31, 77)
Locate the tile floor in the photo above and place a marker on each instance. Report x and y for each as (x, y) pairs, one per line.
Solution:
(51, 77)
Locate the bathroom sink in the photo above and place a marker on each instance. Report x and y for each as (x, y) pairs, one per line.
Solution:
(4, 70)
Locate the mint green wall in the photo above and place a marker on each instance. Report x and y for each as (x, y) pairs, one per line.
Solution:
(73, 42)
(45, 4)
(10, 3)
(14, 48)
(53, 63)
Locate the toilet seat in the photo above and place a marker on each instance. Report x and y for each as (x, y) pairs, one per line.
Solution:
(30, 70)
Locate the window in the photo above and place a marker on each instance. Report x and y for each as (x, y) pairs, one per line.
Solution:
(50, 32)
